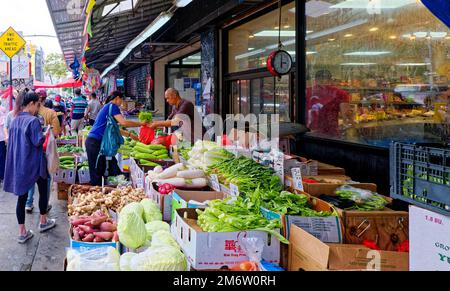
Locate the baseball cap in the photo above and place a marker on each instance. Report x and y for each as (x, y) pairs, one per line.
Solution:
(58, 98)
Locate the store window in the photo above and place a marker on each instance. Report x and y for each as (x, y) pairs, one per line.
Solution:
(249, 47)
(251, 43)
(377, 75)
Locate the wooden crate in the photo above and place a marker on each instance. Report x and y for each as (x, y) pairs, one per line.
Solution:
(63, 191)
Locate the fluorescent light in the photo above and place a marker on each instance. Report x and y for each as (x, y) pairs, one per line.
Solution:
(309, 53)
(420, 34)
(123, 6)
(367, 53)
(273, 33)
(153, 27)
(392, 37)
(373, 29)
(336, 29)
(438, 34)
(413, 64)
(182, 3)
(249, 54)
(357, 64)
(195, 57)
(348, 35)
(251, 48)
(309, 31)
(285, 43)
(368, 4)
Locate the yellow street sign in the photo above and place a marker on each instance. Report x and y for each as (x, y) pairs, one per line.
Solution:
(11, 42)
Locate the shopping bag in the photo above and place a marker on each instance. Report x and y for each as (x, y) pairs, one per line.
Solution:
(146, 135)
(51, 154)
(112, 139)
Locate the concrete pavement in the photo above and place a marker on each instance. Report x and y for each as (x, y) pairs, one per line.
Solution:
(44, 252)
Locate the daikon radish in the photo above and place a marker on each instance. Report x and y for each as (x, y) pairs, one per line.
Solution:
(191, 174)
(196, 183)
(158, 170)
(177, 182)
(170, 172)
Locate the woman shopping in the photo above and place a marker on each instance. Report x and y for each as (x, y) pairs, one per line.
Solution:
(97, 167)
(25, 148)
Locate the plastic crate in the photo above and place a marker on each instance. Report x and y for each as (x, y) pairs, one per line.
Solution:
(84, 177)
(420, 175)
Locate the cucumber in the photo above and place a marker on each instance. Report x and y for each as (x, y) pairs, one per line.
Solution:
(160, 152)
(66, 158)
(145, 156)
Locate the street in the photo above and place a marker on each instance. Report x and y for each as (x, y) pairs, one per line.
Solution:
(44, 252)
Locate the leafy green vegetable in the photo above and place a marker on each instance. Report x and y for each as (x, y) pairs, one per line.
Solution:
(146, 117)
(151, 210)
(159, 259)
(163, 238)
(365, 200)
(155, 226)
(131, 230)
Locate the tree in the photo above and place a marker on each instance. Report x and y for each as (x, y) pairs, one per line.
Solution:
(55, 66)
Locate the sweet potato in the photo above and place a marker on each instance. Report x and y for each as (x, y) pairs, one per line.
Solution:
(80, 221)
(98, 239)
(81, 233)
(89, 238)
(107, 226)
(107, 236)
(85, 228)
(76, 235)
(98, 220)
(115, 237)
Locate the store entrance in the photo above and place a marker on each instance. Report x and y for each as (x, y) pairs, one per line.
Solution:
(184, 75)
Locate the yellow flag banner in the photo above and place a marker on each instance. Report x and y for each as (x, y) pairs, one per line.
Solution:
(90, 5)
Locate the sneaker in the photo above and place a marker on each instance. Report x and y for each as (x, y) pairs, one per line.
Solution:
(51, 223)
(24, 238)
(29, 209)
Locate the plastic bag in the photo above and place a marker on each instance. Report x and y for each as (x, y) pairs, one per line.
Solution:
(253, 248)
(51, 153)
(96, 259)
(146, 135)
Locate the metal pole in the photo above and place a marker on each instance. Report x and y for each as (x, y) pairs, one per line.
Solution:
(10, 85)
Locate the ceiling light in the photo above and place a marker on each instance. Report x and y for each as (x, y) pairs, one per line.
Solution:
(275, 27)
(182, 3)
(310, 53)
(251, 36)
(273, 33)
(251, 48)
(368, 4)
(309, 31)
(373, 29)
(348, 35)
(438, 34)
(286, 26)
(331, 39)
(367, 53)
(249, 54)
(420, 34)
(448, 37)
(120, 7)
(393, 37)
(153, 27)
(413, 64)
(357, 64)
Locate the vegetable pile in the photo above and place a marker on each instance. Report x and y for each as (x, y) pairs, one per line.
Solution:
(87, 199)
(235, 215)
(68, 137)
(69, 149)
(95, 228)
(149, 152)
(207, 153)
(178, 176)
(84, 166)
(126, 149)
(146, 117)
(247, 174)
(67, 163)
(286, 203)
(365, 200)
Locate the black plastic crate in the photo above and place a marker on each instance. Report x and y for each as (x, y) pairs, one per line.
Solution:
(420, 175)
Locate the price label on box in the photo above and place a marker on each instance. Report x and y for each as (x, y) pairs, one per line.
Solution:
(234, 190)
(278, 165)
(297, 177)
(215, 183)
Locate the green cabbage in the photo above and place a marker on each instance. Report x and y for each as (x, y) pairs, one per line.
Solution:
(151, 211)
(125, 261)
(163, 238)
(154, 226)
(159, 259)
(133, 207)
(131, 230)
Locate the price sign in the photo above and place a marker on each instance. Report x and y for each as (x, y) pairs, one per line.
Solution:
(234, 190)
(278, 165)
(297, 177)
(215, 182)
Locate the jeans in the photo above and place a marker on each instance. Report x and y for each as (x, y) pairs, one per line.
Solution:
(43, 201)
(31, 192)
(2, 159)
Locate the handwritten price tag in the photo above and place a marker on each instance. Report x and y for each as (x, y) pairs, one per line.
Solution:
(278, 165)
(234, 190)
(297, 177)
(215, 183)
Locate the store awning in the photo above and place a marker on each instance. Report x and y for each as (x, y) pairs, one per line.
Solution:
(69, 83)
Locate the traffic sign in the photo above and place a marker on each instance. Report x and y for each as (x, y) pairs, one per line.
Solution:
(11, 42)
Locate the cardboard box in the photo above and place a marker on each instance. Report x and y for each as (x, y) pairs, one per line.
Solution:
(307, 253)
(429, 240)
(327, 229)
(326, 169)
(215, 250)
(184, 199)
(317, 189)
(79, 245)
(63, 191)
(307, 167)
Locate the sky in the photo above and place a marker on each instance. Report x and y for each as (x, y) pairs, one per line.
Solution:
(30, 17)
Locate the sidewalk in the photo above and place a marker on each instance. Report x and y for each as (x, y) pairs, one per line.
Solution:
(45, 252)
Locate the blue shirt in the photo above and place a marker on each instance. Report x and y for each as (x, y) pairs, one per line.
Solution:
(98, 130)
(79, 107)
(25, 158)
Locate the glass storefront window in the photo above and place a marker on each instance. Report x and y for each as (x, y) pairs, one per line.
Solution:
(251, 43)
(374, 76)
